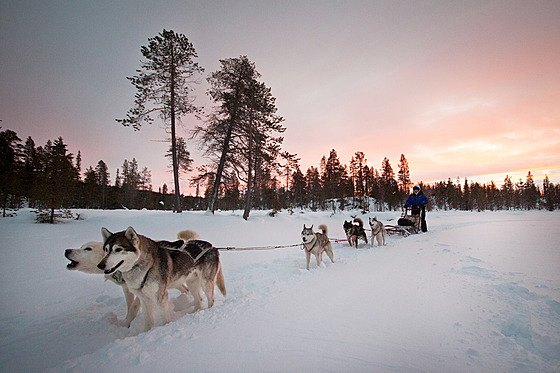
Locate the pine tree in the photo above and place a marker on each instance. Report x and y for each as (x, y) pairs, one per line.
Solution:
(387, 172)
(91, 188)
(404, 174)
(30, 172)
(388, 185)
(314, 187)
(165, 79)
(357, 164)
(240, 134)
(548, 193)
(298, 187)
(530, 192)
(102, 180)
(291, 164)
(334, 176)
(508, 192)
(79, 165)
(58, 176)
(229, 89)
(9, 166)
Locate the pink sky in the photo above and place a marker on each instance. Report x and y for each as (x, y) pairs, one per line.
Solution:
(463, 89)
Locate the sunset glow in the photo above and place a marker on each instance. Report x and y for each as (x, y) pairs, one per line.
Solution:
(463, 89)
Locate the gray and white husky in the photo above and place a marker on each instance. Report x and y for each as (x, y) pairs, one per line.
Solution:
(378, 231)
(316, 243)
(149, 270)
(86, 258)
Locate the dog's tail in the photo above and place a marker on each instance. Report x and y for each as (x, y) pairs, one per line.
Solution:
(220, 282)
(187, 235)
(359, 221)
(324, 229)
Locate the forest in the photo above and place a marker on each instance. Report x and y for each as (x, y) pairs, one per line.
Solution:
(50, 179)
(241, 137)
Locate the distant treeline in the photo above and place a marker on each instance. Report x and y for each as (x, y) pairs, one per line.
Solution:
(50, 178)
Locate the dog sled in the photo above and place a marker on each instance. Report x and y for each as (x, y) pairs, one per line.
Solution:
(409, 223)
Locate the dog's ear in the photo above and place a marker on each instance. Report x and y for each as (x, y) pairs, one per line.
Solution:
(304, 226)
(105, 234)
(132, 236)
(311, 226)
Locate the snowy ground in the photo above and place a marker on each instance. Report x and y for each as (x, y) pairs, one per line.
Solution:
(478, 292)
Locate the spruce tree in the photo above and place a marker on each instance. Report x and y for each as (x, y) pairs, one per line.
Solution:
(404, 174)
(165, 80)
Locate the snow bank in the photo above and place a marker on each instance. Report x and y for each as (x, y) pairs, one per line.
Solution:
(478, 292)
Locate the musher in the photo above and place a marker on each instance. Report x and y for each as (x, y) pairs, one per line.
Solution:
(418, 201)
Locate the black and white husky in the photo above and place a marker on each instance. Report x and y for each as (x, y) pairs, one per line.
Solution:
(354, 231)
(316, 243)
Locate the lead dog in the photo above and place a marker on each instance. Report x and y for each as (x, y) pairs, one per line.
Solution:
(86, 258)
(150, 271)
(316, 243)
(378, 231)
(354, 231)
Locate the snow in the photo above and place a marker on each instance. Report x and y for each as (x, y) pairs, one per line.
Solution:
(478, 292)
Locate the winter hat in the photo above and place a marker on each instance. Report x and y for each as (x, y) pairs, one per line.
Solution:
(416, 187)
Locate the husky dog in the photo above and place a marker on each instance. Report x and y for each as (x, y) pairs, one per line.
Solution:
(354, 231)
(86, 258)
(316, 244)
(377, 231)
(149, 271)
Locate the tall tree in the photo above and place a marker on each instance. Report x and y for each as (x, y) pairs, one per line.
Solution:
(229, 90)
(530, 192)
(58, 176)
(548, 193)
(9, 164)
(388, 184)
(91, 188)
(259, 148)
(30, 172)
(334, 176)
(508, 192)
(387, 172)
(165, 79)
(298, 187)
(313, 186)
(79, 165)
(357, 164)
(102, 180)
(404, 174)
(238, 136)
(291, 164)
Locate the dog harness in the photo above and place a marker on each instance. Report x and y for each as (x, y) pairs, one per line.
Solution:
(117, 276)
(145, 278)
(377, 231)
(314, 243)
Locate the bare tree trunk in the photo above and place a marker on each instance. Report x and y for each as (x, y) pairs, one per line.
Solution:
(249, 195)
(178, 208)
(225, 151)
(219, 172)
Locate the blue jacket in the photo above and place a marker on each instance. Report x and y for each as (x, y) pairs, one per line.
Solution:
(419, 199)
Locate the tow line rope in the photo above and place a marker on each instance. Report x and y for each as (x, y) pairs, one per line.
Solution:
(272, 247)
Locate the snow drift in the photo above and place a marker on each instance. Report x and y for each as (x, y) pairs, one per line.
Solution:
(478, 292)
